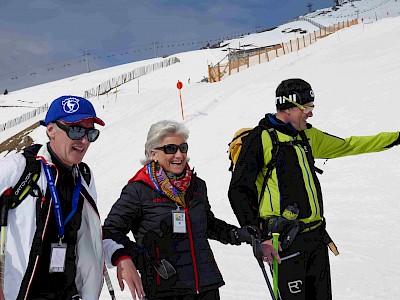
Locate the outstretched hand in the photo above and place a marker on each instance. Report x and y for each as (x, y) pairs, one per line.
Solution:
(126, 271)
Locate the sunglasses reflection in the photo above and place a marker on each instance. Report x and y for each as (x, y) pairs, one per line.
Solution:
(77, 132)
(172, 148)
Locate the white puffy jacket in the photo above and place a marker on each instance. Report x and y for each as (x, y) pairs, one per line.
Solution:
(22, 225)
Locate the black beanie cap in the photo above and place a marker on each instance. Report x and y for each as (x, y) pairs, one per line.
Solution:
(297, 90)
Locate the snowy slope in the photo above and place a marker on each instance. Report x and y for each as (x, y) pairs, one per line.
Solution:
(355, 76)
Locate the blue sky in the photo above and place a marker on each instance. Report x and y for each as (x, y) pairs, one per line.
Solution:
(38, 32)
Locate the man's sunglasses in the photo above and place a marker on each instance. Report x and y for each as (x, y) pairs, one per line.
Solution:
(305, 109)
(172, 148)
(77, 132)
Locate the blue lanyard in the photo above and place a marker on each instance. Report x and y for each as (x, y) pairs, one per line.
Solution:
(153, 179)
(56, 199)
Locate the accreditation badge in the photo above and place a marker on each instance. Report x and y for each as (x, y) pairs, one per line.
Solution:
(179, 221)
(57, 257)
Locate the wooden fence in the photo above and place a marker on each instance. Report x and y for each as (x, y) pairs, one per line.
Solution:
(24, 117)
(115, 82)
(244, 59)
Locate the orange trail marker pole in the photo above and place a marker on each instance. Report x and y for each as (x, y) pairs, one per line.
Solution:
(179, 85)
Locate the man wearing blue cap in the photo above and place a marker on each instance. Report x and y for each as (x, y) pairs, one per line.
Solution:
(54, 236)
(274, 185)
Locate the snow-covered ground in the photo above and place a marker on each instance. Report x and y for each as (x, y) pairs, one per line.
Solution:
(355, 76)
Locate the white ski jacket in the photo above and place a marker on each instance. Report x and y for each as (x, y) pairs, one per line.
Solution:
(22, 225)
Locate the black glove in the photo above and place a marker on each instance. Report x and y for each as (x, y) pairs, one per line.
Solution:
(287, 229)
(244, 234)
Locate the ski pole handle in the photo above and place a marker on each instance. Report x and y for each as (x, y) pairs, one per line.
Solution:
(275, 243)
(3, 234)
(2, 253)
(109, 284)
(258, 254)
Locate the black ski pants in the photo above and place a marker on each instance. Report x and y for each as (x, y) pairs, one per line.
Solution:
(306, 275)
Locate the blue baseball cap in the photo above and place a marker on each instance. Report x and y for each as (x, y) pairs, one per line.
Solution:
(71, 109)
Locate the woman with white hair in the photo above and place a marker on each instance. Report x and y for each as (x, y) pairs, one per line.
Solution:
(166, 208)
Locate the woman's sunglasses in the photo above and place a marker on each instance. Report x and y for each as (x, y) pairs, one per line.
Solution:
(172, 148)
(77, 132)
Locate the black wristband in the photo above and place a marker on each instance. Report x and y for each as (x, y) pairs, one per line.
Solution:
(118, 254)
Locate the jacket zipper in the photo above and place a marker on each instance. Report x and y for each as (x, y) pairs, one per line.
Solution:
(196, 275)
(190, 233)
(307, 181)
(158, 278)
(104, 267)
(44, 232)
(188, 197)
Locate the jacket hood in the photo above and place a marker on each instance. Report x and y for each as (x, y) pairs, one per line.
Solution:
(143, 176)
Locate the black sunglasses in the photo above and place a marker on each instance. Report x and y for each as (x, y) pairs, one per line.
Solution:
(77, 132)
(172, 148)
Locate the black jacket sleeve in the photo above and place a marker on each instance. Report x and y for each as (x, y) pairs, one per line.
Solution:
(217, 229)
(243, 195)
(124, 217)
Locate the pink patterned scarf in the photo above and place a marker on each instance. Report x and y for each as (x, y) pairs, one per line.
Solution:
(173, 189)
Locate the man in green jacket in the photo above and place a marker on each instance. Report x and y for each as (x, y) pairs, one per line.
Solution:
(274, 186)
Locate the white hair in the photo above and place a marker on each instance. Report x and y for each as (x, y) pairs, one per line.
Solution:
(158, 131)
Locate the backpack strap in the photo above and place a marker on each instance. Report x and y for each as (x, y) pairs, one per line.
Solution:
(85, 171)
(308, 150)
(27, 184)
(271, 164)
(274, 151)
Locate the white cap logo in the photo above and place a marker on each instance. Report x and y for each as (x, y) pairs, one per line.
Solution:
(70, 105)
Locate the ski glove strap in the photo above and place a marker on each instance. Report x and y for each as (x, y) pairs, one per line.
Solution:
(245, 234)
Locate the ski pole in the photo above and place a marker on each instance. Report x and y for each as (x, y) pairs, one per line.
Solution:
(3, 234)
(258, 253)
(275, 242)
(109, 284)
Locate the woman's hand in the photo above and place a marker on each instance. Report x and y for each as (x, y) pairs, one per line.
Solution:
(126, 271)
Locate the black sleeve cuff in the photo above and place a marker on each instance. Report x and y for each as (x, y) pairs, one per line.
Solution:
(395, 143)
(118, 254)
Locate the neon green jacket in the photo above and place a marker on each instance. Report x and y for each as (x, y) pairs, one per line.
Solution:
(294, 179)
